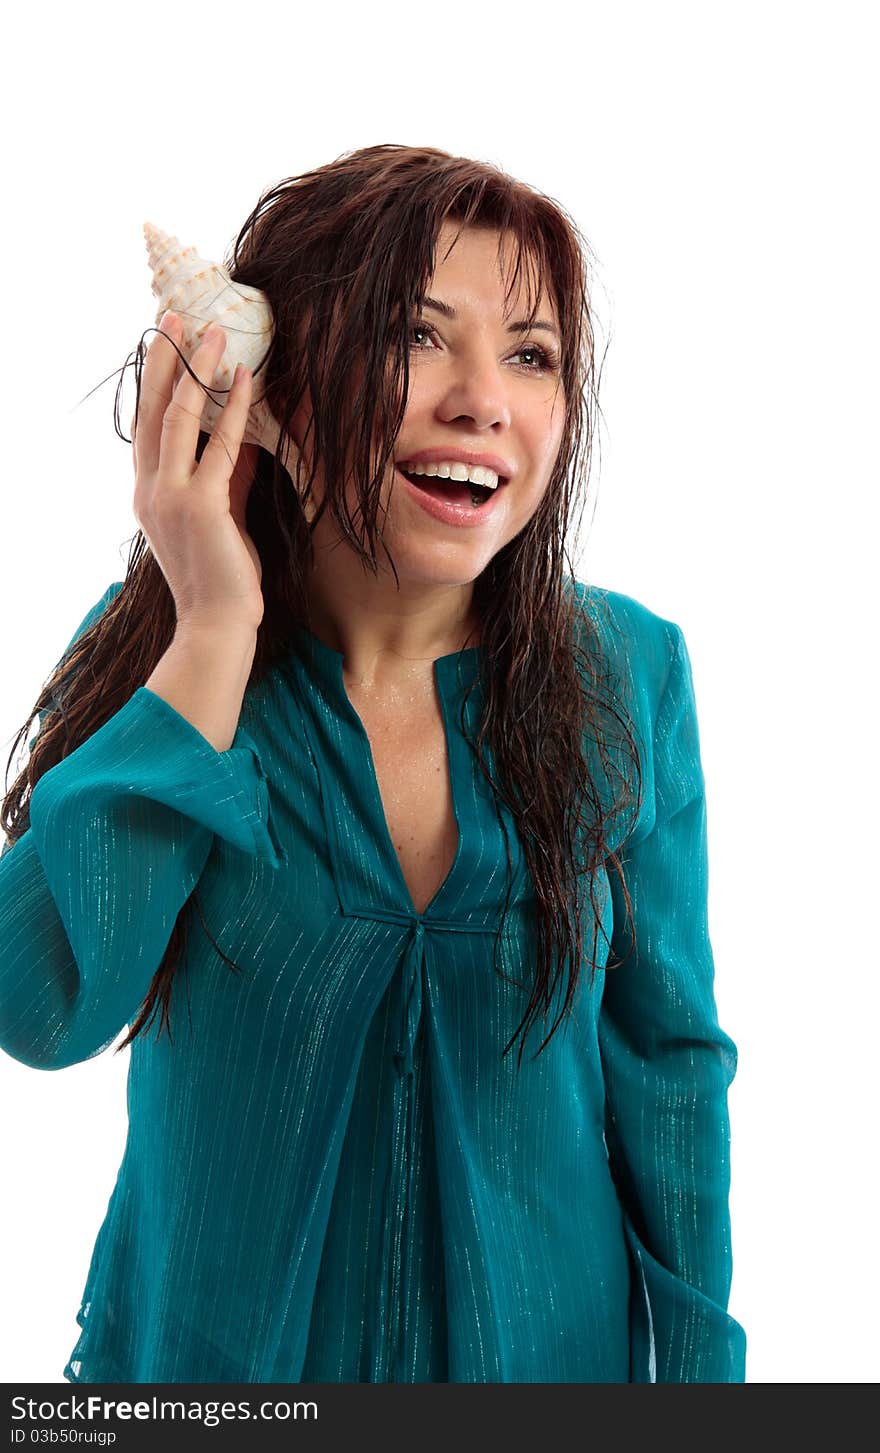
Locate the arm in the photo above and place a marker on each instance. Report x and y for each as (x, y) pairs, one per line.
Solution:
(120, 831)
(668, 1066)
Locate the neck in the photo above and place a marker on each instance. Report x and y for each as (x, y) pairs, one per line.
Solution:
(389, 638)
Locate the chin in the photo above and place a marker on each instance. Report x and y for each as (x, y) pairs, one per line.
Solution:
(417, 571)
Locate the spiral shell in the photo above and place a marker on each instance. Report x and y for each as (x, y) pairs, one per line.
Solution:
(199, 293)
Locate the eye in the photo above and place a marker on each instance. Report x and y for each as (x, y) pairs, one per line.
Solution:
(548, 357)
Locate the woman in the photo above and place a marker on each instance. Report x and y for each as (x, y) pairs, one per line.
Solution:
(400, 785)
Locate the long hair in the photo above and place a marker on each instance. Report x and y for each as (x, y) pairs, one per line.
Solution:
(344, 254)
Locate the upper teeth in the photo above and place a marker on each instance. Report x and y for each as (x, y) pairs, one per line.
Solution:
(473, 474)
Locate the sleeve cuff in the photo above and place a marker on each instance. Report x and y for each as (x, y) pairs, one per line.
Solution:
(676, 1333)
(244, 816)
(148, 750)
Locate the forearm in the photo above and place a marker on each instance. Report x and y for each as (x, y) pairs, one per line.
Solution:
(203, 676)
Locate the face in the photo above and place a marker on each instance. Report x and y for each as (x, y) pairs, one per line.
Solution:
(475, 386)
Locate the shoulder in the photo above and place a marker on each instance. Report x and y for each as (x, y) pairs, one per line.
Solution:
(637, 643)
(96, 611)
(91, 616)
(109, 595)
(649, 654)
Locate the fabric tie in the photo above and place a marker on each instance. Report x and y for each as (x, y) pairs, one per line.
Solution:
(387, 1345)
(399, 1189)
(411, 974)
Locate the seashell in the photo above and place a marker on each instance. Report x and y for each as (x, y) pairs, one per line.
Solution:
(200, 293)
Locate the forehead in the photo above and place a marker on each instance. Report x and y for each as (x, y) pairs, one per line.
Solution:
(471, 266)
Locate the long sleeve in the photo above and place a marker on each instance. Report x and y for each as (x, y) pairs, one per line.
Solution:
(668, 1066)
(120, 832)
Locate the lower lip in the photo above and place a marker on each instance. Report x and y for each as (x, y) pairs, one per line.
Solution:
(449, 512)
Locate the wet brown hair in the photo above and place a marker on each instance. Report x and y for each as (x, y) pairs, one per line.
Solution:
(344, 254)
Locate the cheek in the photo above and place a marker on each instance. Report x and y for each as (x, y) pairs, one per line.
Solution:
(530, 499)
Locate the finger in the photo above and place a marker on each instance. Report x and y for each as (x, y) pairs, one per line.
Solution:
(241, 481)
(157, 383)
(182, 419)
(222, 451)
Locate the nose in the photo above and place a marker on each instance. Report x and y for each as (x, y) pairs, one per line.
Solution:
(476, 388)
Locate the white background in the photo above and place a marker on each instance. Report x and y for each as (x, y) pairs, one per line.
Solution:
(721, 161)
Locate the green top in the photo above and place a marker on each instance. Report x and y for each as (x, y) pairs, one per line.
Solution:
(331, 1174)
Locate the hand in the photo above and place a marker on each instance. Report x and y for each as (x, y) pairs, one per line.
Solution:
(193, 514)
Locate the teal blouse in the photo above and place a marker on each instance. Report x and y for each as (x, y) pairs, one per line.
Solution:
(330, 1173)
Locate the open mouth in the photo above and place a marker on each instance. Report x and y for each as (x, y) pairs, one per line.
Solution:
(461, 491)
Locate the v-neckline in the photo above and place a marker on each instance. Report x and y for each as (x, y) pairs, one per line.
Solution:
(452, 672)
(381, 815)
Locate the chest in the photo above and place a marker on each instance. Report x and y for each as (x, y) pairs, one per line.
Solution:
(412, 772)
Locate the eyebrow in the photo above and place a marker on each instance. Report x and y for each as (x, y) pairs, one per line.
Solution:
(519, 327)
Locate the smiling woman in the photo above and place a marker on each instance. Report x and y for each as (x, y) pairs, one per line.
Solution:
(458, 780)
(479, 391)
